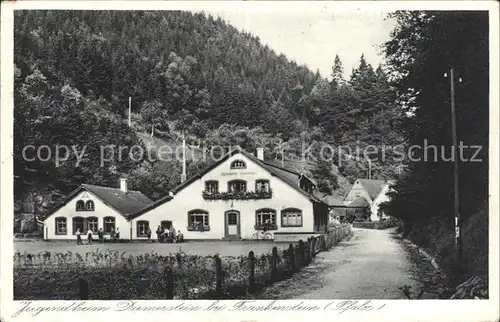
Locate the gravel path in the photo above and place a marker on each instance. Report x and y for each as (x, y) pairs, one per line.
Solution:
(373, 264)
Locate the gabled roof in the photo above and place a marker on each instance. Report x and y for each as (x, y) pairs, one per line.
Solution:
(373, 187)
(359, 203)
(288, 176)
(124, 203)
(331, 201)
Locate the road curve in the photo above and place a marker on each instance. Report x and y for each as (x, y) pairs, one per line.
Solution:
(373, 264)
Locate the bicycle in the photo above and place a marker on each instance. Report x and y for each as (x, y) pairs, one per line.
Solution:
(262, 235)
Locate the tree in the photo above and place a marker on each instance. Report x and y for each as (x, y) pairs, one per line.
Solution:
(154, 114)
(337, 72)
(423, 47)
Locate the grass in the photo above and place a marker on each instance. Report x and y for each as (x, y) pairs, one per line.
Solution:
(205, 248)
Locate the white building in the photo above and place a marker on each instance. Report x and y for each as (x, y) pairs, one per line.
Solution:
(231, 199)
(370, 194)
(94, 207)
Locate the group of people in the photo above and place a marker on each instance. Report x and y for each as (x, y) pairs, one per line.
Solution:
(166, 235)
(115, 236)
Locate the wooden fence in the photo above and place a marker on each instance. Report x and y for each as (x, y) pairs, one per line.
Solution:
(295, 258)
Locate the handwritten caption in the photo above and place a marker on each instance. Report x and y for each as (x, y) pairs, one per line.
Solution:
(340, 307)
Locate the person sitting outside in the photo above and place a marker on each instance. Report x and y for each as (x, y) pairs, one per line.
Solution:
(148, 233)
(180, 237)
(89, 235)
(165, 235)
(117, 235)
(158, 234)
(267, 225)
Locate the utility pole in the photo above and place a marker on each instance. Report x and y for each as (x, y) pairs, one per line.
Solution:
(129, 111)
(183, 175)
(458, 223)
(282, 155)
(369, 168)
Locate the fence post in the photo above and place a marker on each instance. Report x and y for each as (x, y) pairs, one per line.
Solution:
(251, 276)
(308, 251)
(169, 278)
(314, 247)
(291, 251)
(301, 253)
(274, 262)
(83, 289)
(218, 275)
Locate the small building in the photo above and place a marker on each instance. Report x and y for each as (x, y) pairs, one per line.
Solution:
(366, 196)
(94, 207)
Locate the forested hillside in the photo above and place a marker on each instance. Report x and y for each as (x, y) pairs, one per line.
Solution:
(185, 72)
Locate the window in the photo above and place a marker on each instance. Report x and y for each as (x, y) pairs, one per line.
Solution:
(93, 224)
(262, 185)
(61, 228)
(142, 228)
(198, 220)
(109, 224)
(80, 205)
(238, 164)
(78, 224)
(291, 217)
(237, 186)
(211, 186)
(232, 219)
(89, 205)
(264, 215)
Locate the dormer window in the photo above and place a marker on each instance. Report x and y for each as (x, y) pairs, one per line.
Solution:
(211, 186)
(238, 164)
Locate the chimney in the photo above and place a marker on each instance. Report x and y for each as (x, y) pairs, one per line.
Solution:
(123, 185)
(260, 154)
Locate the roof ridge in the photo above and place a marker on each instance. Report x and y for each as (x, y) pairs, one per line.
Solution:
(280, 167)
(105, 187)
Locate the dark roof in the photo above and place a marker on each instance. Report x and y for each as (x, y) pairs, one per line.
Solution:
(288, 176)
(290, 163)
(125, 203)
(373, 187)
(359, 203)
(331, 201)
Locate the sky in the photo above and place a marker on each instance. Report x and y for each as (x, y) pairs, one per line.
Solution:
(313, 38)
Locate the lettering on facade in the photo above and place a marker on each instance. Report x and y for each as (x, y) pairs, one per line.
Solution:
(234, 173)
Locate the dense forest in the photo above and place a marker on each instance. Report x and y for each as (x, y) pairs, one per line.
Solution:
(185, 72)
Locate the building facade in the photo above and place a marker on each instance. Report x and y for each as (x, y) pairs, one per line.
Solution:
(369, 194)
(94, 207)
(234, 198)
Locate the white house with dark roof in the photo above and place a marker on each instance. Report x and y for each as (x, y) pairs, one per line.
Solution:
(94, 207)
(369, 194)
(234, 197)
(230, 199)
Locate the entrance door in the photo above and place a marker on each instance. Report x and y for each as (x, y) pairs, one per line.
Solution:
(166, 224)
(232, 224)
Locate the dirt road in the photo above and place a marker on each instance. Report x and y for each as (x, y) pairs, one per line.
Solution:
(373, 264)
